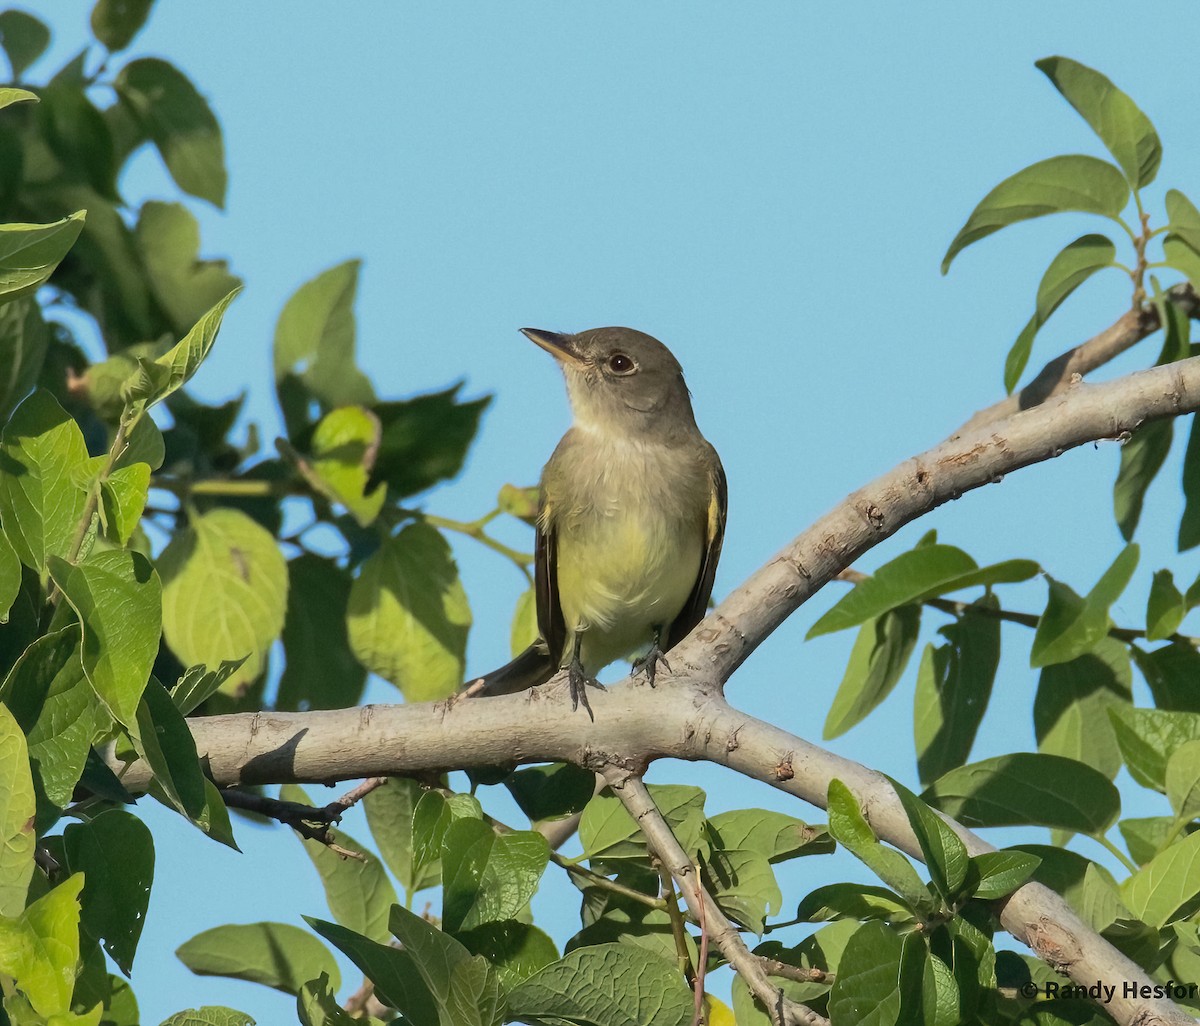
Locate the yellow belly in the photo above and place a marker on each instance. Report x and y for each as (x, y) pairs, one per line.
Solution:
(620, 578)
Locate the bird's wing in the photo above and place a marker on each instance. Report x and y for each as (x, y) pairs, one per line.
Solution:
(697, 602)
(551, 625)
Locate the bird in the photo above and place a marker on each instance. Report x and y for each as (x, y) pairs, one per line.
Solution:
(631, 516)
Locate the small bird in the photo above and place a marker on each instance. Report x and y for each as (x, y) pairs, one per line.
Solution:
(630, 520)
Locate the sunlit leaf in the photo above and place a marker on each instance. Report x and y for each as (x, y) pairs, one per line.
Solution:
(408, 615)
(179, 120)
(1048, 187)
(1114, 117)
(224, 593)
(276, 955)
(1027, 789)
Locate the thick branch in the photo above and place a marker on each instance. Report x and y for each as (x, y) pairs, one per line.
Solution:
(681, 718)
(1083, 413)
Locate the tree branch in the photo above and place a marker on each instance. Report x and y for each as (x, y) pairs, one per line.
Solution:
(630, 789)
(686, 715)
(1084, 358)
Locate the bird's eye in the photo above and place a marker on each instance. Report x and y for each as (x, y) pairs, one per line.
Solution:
(619, 363)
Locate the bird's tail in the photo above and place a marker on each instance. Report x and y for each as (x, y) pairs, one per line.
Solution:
(529, 669)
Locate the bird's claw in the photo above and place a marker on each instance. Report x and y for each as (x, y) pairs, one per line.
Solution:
(580, 682)
(648, 663)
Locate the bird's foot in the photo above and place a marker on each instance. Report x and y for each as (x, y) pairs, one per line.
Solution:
(579, 681)
(648, 663)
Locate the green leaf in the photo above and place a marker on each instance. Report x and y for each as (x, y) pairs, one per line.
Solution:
(851, 830)
(276, 955)
(199, 684)
(358, 893)
(17, 807)
(605, 985)
(10, 577)
(344, 445)
(162, 738)
(155, 381)
(42, 452)
(954, 686)
(945, 854)
(1142, 457)
(10, 95)
(744, 885)
(118, 598)
(224, 593)
(524, 630)
(390, 811)
(432, 817)
(316, 1005)
(1115, 118)
(181, 124)
(122, 499)
(48, 693)
(115, 854)
(1171, 672)
(773, 834)
(877, 661)
(515, 950)
(41, 948)
(1189, 523)
(408, 615)
(1048, 187)
(320, 671)
(857, 902)
(24, 39)
(23, 340)
(1071, 626)
(116, 22)
(1077, 262)
(29, 253)
(1183, 780)
(1165, 609)
(1184, 218)
(1146, 836)
(425, 439)
(465, 987)
(186, 287)
(209, 1015)
(488, 877)
(880, 979)
(607, 831)
(1167, 886)
(1147, 737)
(923, 571)
(1070, 711)
(1027, 789)
(553, 791)
(1002, 872)
(79, 137)
(314, 348)
(1180, 255)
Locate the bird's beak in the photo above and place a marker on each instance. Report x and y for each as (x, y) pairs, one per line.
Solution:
(561, 347)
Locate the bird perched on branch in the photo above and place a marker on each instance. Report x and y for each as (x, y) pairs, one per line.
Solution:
(630, 519)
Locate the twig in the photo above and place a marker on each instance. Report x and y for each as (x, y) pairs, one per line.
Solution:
(678, 927)
(1080, 360)
(310, 823)
(955, 608)
(702, 961)
(798, 973)
(631, 791)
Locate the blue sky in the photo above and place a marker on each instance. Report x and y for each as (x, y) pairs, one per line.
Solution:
(768, 188)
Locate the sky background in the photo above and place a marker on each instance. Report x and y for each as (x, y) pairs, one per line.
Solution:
(769, 189)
